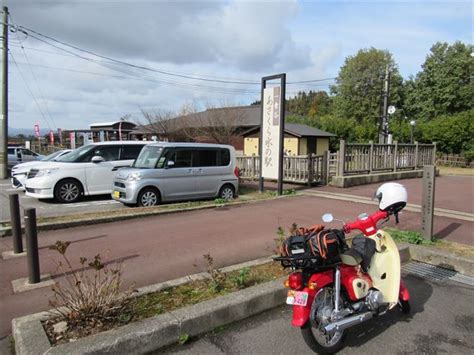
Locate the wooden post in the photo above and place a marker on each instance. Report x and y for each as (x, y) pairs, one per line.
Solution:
(325, 166)
(310, 169)
(395, 156)
(371, 156)
(416, 155)
(341, 158)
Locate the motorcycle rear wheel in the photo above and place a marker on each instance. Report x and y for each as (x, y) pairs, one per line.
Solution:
(315, 338)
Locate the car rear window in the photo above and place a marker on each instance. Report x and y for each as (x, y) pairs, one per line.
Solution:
(211, 157)
(130, 152)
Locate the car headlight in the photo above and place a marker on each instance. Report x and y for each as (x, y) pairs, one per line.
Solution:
(134, 177)
(46, 172)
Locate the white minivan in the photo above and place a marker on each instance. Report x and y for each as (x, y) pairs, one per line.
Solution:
(88, 170)
(178, 171)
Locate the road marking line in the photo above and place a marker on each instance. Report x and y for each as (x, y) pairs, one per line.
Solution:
(410, 207)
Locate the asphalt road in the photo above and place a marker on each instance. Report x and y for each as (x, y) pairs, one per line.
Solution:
(165, 247)
(441, 322)
(452, 192)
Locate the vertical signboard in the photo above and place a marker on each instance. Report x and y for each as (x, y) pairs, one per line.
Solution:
(427, 206)
(271, 133)
(37, 130)
(272, 126)
(51, 137)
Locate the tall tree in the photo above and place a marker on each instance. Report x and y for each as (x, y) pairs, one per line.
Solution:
(444, 85)
(359, 86)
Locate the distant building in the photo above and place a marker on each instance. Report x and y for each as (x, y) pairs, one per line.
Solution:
(299, 139)
(241, 124)
(111, 131)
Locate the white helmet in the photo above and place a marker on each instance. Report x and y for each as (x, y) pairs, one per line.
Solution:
(392, 197)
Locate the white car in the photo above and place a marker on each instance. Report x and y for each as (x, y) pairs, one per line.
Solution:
(88, 170)
(20, 171)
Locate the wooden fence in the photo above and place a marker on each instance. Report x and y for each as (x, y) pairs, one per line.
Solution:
(307, 169)
(357, 159)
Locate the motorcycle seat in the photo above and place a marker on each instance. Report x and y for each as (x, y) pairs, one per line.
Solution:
(351, 257)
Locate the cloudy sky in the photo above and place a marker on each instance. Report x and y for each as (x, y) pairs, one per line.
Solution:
(200, 52)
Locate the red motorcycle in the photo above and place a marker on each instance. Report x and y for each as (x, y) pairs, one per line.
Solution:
(334, 288)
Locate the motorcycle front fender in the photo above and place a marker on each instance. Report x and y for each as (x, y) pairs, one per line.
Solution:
(301, 313)
(404, 295)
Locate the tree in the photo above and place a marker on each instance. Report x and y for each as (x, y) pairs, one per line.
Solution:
(214, 125)
(452, 133)
(444, 85)
(359, 86)
(162, 124)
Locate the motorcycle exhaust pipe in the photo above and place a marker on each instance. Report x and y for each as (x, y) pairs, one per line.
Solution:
(347, 322)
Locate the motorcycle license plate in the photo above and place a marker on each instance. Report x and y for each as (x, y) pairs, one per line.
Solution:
(117, 194)
(297, 298)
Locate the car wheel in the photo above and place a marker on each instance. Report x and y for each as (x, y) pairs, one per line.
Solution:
(227, 192)
(148, 197)
(68, 191)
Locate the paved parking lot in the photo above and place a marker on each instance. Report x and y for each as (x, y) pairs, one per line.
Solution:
(49, 208)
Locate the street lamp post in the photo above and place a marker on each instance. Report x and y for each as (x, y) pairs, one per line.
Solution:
(412, 125)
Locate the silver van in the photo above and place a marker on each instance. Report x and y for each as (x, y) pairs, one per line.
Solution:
(178, 171)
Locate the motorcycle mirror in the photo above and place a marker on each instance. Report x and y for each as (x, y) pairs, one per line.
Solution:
(327, 218)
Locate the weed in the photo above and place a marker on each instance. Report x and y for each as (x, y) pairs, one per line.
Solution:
(288, 192)
(280, 239)
(220, 201)
(242, 278)
(183, 339)
(88, 297)
(409, 237)
(218, 278)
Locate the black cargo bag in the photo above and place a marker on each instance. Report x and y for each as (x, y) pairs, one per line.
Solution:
(327, 244)
(295, 246)
(366, 248)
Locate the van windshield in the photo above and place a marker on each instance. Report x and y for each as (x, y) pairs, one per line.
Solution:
(76, 155)
(148, 157)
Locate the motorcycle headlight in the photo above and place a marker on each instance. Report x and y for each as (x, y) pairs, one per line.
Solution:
(134, 177)
(46, 172)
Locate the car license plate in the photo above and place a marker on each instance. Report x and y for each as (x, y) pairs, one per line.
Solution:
(117, 194)
(297, 298)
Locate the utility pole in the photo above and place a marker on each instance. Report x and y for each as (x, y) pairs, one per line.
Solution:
(4, 115)
(383, 129)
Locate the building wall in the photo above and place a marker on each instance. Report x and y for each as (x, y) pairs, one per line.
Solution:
(290, 144)
(303, 146)
(322, 144)
(251, 146)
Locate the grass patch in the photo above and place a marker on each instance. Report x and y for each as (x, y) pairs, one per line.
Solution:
(198, 291)
(152, 304)
(409, 237)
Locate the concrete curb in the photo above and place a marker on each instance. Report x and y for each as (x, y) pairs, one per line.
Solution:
(43, 226)
(155, 332)
(443, 259)
(165, 329)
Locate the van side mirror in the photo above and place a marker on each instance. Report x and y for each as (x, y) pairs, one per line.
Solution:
(170, 164)
(97, 159)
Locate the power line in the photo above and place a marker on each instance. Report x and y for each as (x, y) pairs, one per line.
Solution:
(37, 84)
(29, 90)
(182, 75)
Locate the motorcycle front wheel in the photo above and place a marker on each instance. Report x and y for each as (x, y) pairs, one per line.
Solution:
(312, 332)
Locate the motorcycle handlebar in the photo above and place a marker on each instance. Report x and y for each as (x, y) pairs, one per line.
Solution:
(367, 225)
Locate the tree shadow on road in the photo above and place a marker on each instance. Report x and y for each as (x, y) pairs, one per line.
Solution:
(420, 293)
